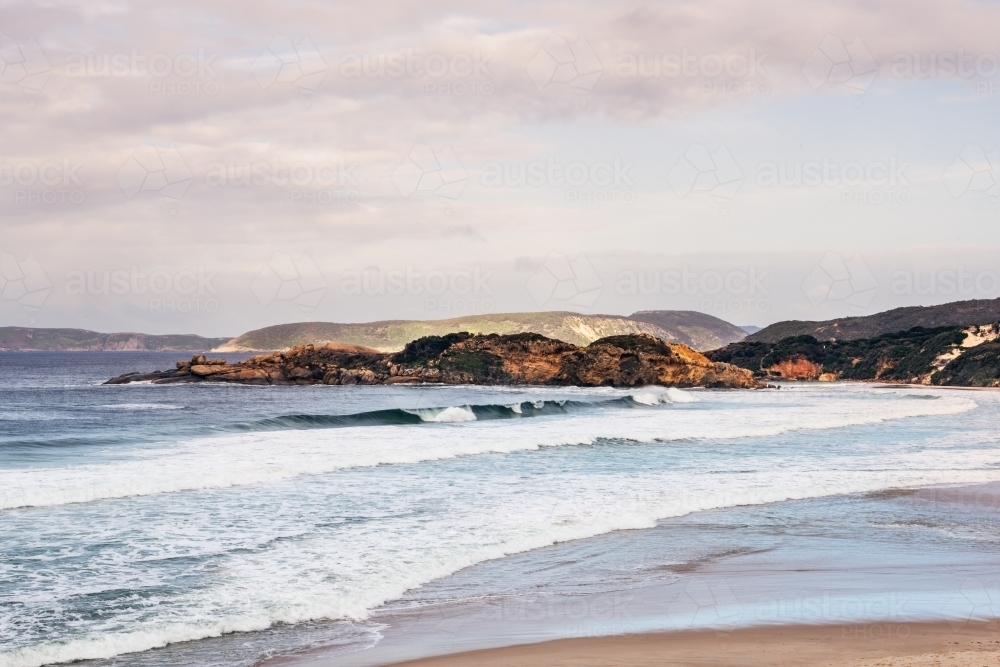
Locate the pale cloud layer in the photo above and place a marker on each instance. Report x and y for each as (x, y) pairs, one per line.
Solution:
(215, 167)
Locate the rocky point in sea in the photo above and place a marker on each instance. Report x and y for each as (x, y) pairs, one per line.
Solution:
(462, 358)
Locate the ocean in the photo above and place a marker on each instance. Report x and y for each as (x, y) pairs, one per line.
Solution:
(235, 525)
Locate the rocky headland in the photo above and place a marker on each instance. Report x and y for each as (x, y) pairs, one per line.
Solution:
(943, 356)
(462, 358)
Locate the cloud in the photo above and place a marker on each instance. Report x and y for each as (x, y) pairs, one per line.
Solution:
(419, 96)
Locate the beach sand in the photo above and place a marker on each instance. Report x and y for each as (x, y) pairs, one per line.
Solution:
(937, 644)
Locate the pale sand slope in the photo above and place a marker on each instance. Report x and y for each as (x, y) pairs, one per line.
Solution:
(877, 645)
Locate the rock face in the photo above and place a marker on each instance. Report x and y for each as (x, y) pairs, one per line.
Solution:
(947, 356)
(462, 358)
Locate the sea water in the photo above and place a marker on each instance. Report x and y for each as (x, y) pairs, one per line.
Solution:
(222, 525)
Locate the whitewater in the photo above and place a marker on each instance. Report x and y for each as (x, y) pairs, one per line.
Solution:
(138, 517)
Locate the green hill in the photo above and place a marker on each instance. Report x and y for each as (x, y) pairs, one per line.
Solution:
(81, 340)
(955, 314)
(696, 330)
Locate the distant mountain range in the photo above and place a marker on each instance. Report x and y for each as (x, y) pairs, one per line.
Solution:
(955, 314)
(696, 330)
(81, 340)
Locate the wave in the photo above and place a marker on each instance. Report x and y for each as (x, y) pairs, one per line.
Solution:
(649, 396)
(585, 515)
(229, 460)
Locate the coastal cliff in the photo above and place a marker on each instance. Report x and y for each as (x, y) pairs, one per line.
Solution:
(462, 358)
(943, 356)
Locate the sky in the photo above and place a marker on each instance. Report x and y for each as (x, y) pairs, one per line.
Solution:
(215, 167)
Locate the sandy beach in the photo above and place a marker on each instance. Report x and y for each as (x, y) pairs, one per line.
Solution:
(938, 644)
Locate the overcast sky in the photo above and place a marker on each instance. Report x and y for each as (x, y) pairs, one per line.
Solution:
(213, 167)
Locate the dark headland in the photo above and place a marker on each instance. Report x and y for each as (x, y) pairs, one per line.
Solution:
(463, 358)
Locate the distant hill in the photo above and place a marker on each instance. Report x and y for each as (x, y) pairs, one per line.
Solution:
(955, 314)
(81, 340)
(696, 330)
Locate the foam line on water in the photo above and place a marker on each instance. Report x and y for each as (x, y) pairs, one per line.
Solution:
(258, 597)
(252, 458)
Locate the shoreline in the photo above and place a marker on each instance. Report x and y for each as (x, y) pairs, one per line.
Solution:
(905, 629)
(937, 644)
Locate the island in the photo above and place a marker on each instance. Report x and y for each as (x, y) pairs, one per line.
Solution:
(631, 360)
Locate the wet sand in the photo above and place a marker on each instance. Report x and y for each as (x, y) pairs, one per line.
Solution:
(936, 644)
(795, 603)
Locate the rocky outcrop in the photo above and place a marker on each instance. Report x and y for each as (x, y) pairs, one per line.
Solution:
(462, 358)
(949, 356)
